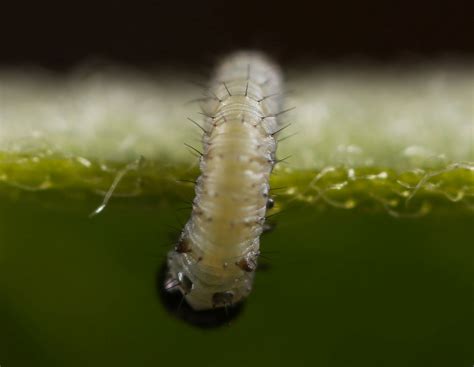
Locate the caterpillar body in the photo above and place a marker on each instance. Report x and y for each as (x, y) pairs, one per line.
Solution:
(214, 260)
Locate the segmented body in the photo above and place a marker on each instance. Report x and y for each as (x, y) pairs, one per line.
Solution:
(214, 261)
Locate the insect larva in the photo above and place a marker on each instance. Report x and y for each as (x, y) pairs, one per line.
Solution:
(214, 261)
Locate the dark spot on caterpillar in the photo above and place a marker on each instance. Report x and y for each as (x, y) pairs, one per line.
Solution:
(183, 246)
(247, 264)
(222, 298)
(270, 203)
(197, 211)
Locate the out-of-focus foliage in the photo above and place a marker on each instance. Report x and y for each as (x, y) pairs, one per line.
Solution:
(400, 139)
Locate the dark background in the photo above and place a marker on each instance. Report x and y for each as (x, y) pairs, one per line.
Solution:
(181, 33)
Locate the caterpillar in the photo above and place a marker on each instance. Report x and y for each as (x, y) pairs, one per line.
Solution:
(214, 260)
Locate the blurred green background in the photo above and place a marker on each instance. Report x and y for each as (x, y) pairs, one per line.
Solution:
(340, 288)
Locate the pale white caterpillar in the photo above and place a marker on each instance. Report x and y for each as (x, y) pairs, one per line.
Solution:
(214, 261)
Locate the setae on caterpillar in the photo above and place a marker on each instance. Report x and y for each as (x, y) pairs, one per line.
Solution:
(215, 258)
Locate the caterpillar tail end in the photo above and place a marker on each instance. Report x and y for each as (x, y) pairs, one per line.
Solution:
(172, 297)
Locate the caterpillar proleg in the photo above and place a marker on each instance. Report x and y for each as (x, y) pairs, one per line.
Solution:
(215, 258)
